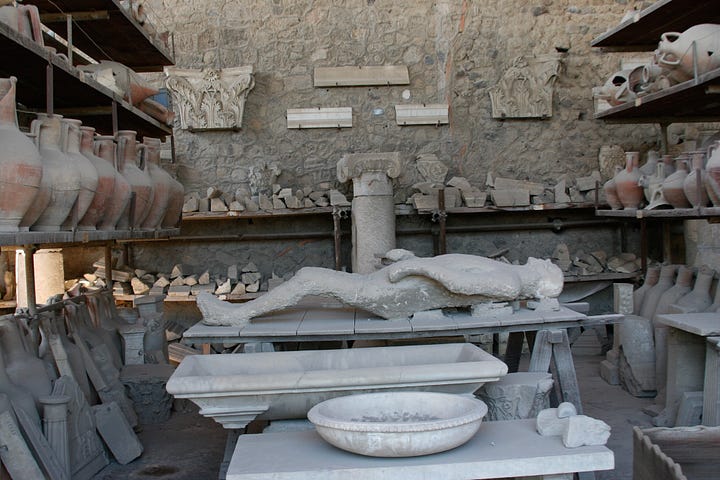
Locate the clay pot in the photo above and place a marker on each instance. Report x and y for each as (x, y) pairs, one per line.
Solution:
(162, 183)
(175, 205)
(653, 182)
(699, 298)
(137, 177)
(677, 53)
(105, 149)
(668, 165)
(106, 181)
(665, 282)
(20, 163)
(712, 183)
(70, 140)
(610, 190)
(630, 193)
(616, 90)
(694, 183)
(672, 186)
(651, 278)
(650, 166)
(23, 368)
(683, 286)
(60, 184)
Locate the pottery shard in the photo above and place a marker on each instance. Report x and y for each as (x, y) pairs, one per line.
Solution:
(510, 184)
(239, 289)
(191, 205)
(251, 277)
(460, 183)
(337, 199)
(139, 287)
(250, 267)
(218, 205)
(583, 430)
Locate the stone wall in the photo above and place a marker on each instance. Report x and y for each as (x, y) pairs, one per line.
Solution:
(455, 50)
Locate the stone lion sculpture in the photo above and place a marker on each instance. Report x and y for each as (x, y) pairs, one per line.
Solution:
(406, 286)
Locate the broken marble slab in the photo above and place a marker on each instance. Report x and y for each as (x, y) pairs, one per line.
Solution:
(474, 197)
(461, 183)
(337, 199)
(517, 197)
(583, 430)
(588, 183)
(179, 291)
(117, 433)
(218, 205)
(15, 454)
(560, 191)
(500, 183)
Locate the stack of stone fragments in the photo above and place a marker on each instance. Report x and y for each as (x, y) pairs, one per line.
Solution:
(74, 385)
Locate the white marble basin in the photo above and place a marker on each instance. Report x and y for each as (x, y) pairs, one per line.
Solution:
(398, 424)
(235, 389)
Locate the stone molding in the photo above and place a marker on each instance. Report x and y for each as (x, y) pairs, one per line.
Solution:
(210, 99)
(526, 88)
(353, 165)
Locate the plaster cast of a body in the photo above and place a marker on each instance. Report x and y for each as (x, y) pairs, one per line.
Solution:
(409, 285)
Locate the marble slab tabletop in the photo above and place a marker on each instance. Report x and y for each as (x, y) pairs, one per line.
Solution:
(499, 450)
(702, 324)
(333, 321)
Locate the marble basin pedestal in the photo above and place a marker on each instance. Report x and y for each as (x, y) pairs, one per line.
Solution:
(236, 389)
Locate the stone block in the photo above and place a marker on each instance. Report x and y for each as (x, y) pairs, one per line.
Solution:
(560, 191)
(337, 199)
(117, 433)
(253, 287)
(460, 183)
(425, 202)
(285, 193)
(474, 197)
(583, 430)
(179, 281)
(213, 192)
(236, 206)
(609, 372)
(566, 409)
(533, 188)
(251, 205)
(516, 395)
(264, 202)
(224, 288)
(196, 289)
(218, 205)
(239, 289)
(510, 198)
(322, 202)
(204, 278)
(232, 272)
(293, 202)
(191, 205)
(251, 277)
(191, 280)
(178, 291)
(250, 267)
(277, 203)
(203, 205)
(548, 424)
(139, 287)
(177, 271)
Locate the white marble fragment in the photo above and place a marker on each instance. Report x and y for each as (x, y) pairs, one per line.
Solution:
(583, 430)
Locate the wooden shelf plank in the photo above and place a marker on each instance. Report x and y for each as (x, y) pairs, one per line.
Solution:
(28, 61)
(685, 102)
(285, 212)
(529, 208)
(679, 213)
(118, 37)
(642, 31)
(64, 237)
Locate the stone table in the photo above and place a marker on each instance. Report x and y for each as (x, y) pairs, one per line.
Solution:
(499, 450)
(693, 363)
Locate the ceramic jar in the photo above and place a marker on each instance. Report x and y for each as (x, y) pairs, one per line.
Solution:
(668, 165)
(694, 183)
(70, 140)
(175, 205)
(137, 177)
(610, 189)
(699, 298)
(629, 192)
(651, 278)
(672, 186)
(712, 183)
(677, 53)
(665, 282)
(649, 168)
(162, 183)
(106, 181)
(106, 150)
(60, 184)
(20, 163)
(683, 286)
(23, 368)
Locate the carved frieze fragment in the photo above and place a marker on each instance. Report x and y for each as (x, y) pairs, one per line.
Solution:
(361, 75)
(339, 117)
(422, 114)
(210, 99)
(526, 88)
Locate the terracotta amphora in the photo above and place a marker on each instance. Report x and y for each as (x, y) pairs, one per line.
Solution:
(60, 184)
(23, 368)
(162, 183)
(629, 191)
(699, 298)
(174, 211)
(105, 148)
(679, 53)
(665, 282)
(610, 189)
(672, 186)
(70, 140)
(651, 278)
(24, 19)
(712, 182)
(694, 183)
(649, 167)
(137, 177)
(106, 181)
(668, 165)
(20, 163)
(683, 286)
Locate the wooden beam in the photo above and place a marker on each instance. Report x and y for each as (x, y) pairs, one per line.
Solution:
(48, 18)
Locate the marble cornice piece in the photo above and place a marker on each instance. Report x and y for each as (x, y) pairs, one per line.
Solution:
(526, 88)
(210, 99)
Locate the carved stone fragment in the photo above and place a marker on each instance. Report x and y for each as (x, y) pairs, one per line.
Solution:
(526, 88)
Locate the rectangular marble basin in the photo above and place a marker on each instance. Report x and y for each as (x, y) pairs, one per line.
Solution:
(236, 389)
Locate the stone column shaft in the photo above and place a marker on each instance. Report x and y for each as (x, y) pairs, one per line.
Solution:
(55, 413)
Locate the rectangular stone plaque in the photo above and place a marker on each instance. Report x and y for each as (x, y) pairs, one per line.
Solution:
(421, 114)
(340, 117)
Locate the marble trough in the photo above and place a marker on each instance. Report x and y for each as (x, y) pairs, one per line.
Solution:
(236, 389)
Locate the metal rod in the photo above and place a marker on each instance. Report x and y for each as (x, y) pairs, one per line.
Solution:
(114, 117)
(337, 234)
(108, 264)
(49, 91)
(68, 22)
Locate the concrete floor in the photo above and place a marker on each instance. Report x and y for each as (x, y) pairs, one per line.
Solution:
(190, 447)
